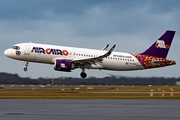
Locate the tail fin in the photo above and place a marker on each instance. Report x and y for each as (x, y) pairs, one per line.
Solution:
(161, 47)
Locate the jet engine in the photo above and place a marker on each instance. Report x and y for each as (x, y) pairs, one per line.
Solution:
(63, 65)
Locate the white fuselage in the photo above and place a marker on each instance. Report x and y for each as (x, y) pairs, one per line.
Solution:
(43, 53)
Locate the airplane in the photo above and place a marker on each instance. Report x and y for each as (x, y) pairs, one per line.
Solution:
(67, 59)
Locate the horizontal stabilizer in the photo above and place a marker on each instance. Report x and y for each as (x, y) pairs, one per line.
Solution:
(155, 62)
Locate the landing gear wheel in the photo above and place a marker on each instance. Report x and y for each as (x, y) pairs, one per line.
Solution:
(83, 75)
(26, 65)
(25, 69)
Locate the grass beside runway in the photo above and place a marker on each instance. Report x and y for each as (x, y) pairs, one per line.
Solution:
(89, 92)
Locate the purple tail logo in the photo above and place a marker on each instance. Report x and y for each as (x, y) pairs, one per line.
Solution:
(161, 44)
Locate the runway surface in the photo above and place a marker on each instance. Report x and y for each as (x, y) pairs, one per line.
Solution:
(89, 109)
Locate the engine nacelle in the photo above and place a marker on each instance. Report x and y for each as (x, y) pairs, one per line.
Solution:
(63, 65)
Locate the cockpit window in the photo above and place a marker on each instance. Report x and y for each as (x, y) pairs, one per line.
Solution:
(16, 47)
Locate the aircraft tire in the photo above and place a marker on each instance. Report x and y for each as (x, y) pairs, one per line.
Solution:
(25, 69)
(83, 75)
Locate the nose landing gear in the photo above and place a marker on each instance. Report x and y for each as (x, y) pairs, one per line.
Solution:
(26, 65)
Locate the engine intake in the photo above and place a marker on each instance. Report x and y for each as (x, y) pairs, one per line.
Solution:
(63, 65)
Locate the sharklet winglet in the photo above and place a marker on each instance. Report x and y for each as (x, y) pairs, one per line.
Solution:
(106, 47)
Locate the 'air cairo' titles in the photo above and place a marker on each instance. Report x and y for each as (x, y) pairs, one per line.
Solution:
(49, 51)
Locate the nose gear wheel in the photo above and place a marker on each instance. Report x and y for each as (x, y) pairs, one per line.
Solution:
(26, 65)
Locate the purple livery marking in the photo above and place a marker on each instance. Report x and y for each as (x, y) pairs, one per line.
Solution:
(161, 47)
(63, 65)
(18, 52)
(153, 62)
(38, 50)
(50, 51)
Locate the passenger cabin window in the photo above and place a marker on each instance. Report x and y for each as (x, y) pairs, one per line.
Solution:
(16, 47)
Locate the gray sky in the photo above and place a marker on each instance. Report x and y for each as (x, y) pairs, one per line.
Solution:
(133, 25)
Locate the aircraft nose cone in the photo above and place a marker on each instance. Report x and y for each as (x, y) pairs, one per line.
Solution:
(6, 53)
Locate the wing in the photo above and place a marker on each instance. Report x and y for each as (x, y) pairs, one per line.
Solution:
(87, 62)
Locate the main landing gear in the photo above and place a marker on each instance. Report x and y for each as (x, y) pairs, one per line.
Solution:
(26, 65)
(83, 75)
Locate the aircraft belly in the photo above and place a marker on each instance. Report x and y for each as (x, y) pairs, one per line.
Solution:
(43, 58)
(40, 58)
(97, 66)
(120, 65)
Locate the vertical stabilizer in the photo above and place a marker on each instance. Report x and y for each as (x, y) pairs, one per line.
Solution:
(161, 47)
